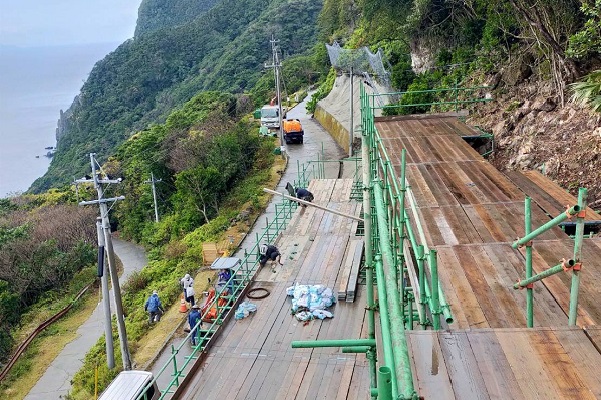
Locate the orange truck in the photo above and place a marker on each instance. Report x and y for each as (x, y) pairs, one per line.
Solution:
(293, 131)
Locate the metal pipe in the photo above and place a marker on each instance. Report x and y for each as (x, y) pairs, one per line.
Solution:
(358, 349)
(555, 221)
(444, 305)
(435, 303)
(384, 383)
(529, 291)
(313, 205)
(399, 341)
(309, 344)
(551, 271)
(387, 343)
(573, 315)
(369, 271)
(422, 284)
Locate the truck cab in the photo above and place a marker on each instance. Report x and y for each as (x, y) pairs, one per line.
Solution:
(131, 385)
(270, 117)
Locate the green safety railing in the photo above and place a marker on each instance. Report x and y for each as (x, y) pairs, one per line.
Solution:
(571, 264)
(452, 94)
(231, 290)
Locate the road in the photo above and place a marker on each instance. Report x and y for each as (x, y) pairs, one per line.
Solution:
(56, 381)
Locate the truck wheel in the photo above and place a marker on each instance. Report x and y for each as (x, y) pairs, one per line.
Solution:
(301, 140)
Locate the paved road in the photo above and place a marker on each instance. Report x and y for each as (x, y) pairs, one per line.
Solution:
(316, 138)
(56, 381)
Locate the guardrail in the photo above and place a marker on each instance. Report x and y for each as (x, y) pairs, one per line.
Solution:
(238, 283)
(23, 346)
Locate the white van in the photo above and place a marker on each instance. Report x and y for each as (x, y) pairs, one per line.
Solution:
(131, 385)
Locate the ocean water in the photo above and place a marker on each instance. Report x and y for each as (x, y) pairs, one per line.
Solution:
(35, 84)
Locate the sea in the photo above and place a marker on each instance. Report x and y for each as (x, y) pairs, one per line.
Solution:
(35, 84)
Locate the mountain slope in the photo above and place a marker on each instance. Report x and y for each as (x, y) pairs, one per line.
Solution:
(145, 78)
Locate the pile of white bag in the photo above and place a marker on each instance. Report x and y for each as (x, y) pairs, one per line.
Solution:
(244, 310)
(310, 301)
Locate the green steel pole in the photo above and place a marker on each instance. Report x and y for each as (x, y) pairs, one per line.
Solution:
(175, 371)
(384, 383)
(309, 344)
(435, 303)
(399, 341)
(358, 349)
(551, 271)
(422, 284)
(529, 290)
(444, 305)
(387, 343)
(582, 200)
(555, 221)
(369, 271)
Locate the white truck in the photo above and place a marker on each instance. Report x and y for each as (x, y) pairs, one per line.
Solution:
(270, 117)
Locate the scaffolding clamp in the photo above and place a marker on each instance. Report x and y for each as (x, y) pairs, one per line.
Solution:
(528, 286)
(568, 213)
(577, 266)
(566, 265)
(527, 244)
(581, 214)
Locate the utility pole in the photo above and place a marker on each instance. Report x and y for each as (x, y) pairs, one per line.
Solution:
(276, 65)
(351, 127)
(106, 301)
(154, 195)
(104, 215)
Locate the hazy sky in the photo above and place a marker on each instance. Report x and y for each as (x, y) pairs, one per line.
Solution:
(58, 22)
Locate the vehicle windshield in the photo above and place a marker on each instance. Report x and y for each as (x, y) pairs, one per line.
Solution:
(269, 112)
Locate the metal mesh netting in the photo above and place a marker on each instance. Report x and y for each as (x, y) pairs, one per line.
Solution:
(361, 61)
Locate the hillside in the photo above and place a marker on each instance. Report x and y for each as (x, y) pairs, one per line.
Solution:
(145, 78)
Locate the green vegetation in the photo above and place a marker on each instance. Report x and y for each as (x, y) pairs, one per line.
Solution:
(212, 164)
(43, 247)
(171, 103)
(144, 79)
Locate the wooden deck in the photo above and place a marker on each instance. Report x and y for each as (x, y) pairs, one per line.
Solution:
(471, 214)
(541, 363)
(253, 358)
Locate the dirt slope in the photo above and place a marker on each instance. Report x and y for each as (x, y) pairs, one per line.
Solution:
(532, 131)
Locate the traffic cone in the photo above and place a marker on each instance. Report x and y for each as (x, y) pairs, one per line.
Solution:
(182, 304)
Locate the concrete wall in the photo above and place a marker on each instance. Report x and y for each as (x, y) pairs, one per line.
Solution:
(333, 112)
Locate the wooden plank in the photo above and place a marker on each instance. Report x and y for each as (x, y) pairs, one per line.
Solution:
(462, 366)
(585, 357)
(433, 380)
(488, 303)
(494, 367)
(566, 378)
(529, 371)
(346, 270)
(354, 276)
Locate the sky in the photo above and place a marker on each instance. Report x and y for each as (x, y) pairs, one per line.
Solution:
(29, 23)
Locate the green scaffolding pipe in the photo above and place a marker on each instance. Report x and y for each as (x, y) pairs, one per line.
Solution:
(443, 302)
(446, 309)
(369, 271)
(573, 315)
(441, 298)
(529, 290)
(555, 221)
(422, 284)
(399, 343)
(310, 344)
(551, 271)
(358, 349)
(385, 320)
(384, 383)
(435, 303)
